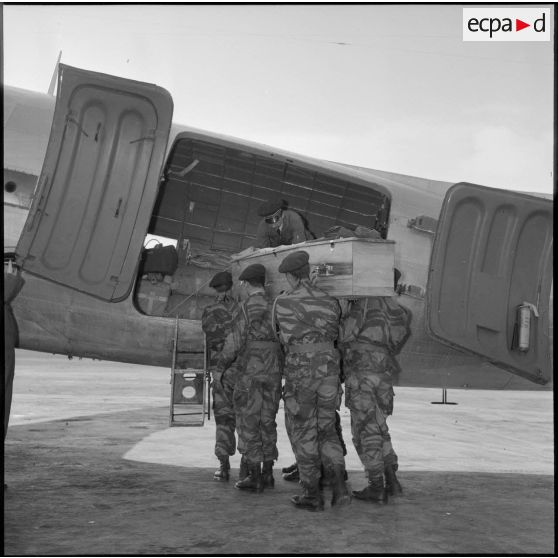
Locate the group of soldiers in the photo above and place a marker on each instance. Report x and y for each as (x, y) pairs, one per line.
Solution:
(299, 347)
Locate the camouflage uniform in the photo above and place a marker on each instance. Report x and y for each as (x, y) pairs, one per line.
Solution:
(292, 231)
(256, 352)
(308, 321)
(371, 333)
(217, 324)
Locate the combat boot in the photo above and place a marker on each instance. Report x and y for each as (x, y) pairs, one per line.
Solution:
(243, 472)
(290, 468)
(291, 473)
(326, 479)
(341, 496)
(222, 474)
(253, 481)
(393, 486)
(310, 499)
(374, 492)
(267, 475)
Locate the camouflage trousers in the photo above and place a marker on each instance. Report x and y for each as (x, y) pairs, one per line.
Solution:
(223, 411)
(311, 400)
(369, 397)
(256, 402)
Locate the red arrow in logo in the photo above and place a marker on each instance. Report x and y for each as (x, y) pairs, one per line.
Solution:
(519, 25)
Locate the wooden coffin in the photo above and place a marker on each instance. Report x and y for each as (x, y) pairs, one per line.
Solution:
(343, 267)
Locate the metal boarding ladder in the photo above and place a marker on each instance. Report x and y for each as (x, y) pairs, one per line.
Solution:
(190, 393)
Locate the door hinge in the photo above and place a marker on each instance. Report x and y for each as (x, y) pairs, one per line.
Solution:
(42, 191)
(414, 291)
(423, 223)
(70, 119)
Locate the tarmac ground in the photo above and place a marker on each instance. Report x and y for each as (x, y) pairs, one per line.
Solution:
(93, 468)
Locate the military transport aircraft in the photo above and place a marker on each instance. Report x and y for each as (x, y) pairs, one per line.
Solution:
(476, 262)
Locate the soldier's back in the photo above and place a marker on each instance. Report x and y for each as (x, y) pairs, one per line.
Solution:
(386, 323)
(258, 313)
(216, 322)
(307, 314)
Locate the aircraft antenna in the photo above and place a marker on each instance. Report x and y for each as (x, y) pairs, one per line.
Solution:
(53, 80)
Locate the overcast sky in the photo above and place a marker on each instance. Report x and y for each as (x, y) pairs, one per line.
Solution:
(389, 87)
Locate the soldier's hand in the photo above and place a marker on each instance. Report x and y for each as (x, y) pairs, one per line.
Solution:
(344, 305)
(313, 275)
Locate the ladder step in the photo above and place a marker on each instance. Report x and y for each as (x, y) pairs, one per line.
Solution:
(189, 386)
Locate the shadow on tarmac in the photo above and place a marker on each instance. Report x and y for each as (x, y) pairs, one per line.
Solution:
(71, 492)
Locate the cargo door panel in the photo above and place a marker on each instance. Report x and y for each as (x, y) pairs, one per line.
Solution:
(98, 184)
(492, 253)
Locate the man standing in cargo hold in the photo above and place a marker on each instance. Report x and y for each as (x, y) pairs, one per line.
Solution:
(216, 324)
(308, 320)
(257, 354)
(372, 331)
(280, 225)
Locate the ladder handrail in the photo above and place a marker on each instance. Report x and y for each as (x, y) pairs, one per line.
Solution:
(173, 367)
(204, 376)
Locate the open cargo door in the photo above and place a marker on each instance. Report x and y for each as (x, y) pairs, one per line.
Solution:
(490, 278)
(98, 183)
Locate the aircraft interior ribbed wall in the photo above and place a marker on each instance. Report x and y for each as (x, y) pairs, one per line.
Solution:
(215, 204)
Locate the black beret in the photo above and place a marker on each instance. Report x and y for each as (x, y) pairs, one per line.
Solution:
(253, 272)
(270, 207)
(221, 279)
(294, 261)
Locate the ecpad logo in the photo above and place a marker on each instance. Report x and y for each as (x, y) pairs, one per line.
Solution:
(506, 24)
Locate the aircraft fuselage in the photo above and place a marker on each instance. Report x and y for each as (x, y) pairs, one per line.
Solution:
(54, 317)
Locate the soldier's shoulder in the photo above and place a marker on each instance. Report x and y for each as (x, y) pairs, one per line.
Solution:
(220, 308)
(285, 299)
(292, 215)
(283, 295)
(210, 309)
(320, 293)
